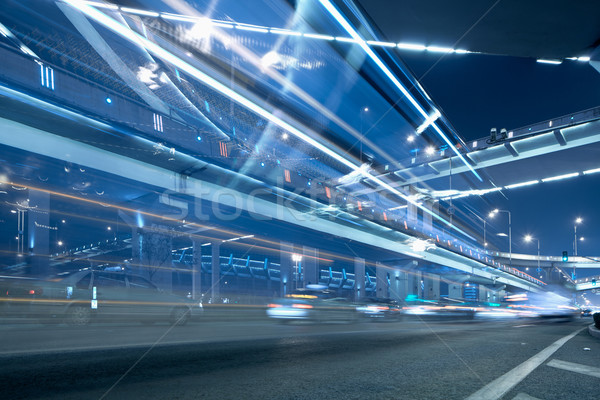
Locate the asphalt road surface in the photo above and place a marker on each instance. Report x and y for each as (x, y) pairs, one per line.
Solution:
(520, 359)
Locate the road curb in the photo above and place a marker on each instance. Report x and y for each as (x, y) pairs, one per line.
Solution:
(594, 331)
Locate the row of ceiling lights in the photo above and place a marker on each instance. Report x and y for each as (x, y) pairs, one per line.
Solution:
(287, 32)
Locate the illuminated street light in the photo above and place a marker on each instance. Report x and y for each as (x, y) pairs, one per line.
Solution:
(578, 221)
(529, 238)
(492, 215)
(60, 243)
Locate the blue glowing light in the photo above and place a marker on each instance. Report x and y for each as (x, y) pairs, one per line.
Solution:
(108, 100)
(199, 138)
(262, 164)
(139, 220)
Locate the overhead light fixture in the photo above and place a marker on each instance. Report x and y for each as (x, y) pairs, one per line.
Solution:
(411, 46)
(251, 28)
(317, 36)
(560, 177)
(584, 59)
(436, 49)
(222, 24)
(545, 61)
(286, 32)
(517, 185)
(384, 44)
(175, 17)
(591, 171)
(345, 39)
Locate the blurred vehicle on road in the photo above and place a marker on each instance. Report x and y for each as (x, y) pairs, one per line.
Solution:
(314, 305)
(78, 298)
(380, 309)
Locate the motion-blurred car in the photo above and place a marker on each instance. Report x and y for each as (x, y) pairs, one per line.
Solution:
(319, 306)
(380, 309)
(80, 297)
(586, 312)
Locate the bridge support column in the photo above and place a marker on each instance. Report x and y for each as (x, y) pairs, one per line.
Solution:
(484, 294)
(455, 290)
(359, 276)
(310, 265)
(197, 270)
(398, 283)
(401, 280)
(215, 280)
(414, 284)
(285, 264)
(152, 255)
(381, 277)
(432, 286)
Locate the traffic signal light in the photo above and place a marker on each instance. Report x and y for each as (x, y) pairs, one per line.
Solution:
(565, 256)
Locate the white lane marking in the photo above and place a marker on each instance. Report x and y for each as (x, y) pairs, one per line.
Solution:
(573, 367)
(522, 326)
(524, 396)
(499, 387)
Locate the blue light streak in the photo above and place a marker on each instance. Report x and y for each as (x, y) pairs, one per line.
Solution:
(335, 13)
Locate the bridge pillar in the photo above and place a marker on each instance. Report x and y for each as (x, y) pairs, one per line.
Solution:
(483, 293)
(398, 284)
(197, 270)
(359, 276)
(455, 290)
(286, 250)
(310, 265)
(413, 286)
(152, 254)
(401, 280)
(381, 277)
(432, 286)
(215, 280)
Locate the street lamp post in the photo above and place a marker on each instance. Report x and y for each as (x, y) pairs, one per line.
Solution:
(577, 221)
(484, 240)
(492, 215)
(529, 238)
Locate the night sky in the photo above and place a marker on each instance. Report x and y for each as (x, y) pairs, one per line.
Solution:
(478, 92)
